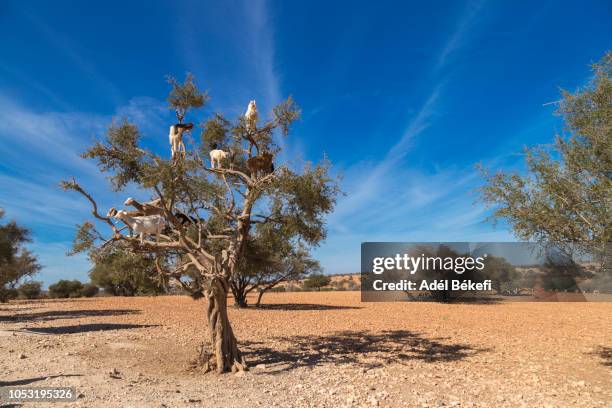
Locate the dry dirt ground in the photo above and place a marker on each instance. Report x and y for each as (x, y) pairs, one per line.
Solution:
(314, 350)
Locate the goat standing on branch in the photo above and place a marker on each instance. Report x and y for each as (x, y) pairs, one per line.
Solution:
(231, 210)
(250, 119)
(145, 225)
(216, 156)
(251, 116)
(176, 138)
(262, 163)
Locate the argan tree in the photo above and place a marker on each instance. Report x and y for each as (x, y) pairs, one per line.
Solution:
(122, 272)
(565, 196)
(16, 262)
(271, 257)
(211, 213)
(316, 281)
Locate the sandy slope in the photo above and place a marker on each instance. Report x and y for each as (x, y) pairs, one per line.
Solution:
(315, 349)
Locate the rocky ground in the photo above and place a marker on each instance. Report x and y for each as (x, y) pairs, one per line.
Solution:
(314, 350)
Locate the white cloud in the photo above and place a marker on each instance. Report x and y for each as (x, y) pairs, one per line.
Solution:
(39, 149)
(458, 38)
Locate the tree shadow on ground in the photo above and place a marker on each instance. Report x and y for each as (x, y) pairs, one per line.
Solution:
(605, 354)
(356, 348)
(27, 381)
(83, 328)
(16, 307)
(302, 306)
(66, 314)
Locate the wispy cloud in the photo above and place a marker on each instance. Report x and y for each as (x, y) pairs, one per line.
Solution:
(30, 82)
(71, 51)
(39, 149)
(389, 200)
(458, 38)
(261, 52)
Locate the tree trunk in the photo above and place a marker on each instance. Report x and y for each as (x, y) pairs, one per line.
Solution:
(259, 296)
(240, 299)
(239, 295)
(223, 355)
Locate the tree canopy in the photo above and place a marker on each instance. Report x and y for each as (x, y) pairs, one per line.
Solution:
(16, 262)
(565, 196)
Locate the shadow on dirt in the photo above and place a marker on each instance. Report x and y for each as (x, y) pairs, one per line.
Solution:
(27, 381)
(83, 328)
(302, 306)
(356, 348)
(66, 314)
(605, 354)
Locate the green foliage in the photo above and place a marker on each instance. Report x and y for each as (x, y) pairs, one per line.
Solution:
(119, 153)
(30, 290)
(300, 202)
(275, 253)
(123, 273)
(8, 293)
(16, 262)
(251, 230)
(185, 96)
(499, 271)
(317, 281)
(89, 290)
(215, 132)
(66, 289)
(566, 194)
(85, 238)
(286, 113)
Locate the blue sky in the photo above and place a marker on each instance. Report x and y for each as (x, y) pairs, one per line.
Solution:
(404, 98)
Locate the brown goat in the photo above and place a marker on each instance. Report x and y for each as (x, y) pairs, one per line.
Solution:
(262, 163)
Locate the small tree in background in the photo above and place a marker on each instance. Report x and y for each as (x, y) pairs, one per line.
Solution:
(225, 205)
(566, 195)
(16, 262)
(66, 289)
(89, 290)
(121, 272)
(316, 281)
(273, 255)
(30, 290)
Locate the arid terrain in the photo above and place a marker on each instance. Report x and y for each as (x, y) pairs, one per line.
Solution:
(314, 350)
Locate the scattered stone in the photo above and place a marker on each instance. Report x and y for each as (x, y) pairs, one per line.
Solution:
(22, 356)
(115, 374)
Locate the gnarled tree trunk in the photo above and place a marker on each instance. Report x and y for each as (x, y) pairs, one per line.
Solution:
(224, 354)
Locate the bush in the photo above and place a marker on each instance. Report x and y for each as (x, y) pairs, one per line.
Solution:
(30, 290)
(65, 289)
(89, 290)
(7, 294)
(122, 273)
(316, 281)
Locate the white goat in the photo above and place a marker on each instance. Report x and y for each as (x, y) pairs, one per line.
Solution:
(176, 137)
(145, 225)
(149, 208)
(216, 156)
(251, 115)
